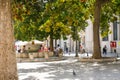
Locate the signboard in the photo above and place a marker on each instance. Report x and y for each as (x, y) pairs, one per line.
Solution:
(113, 44)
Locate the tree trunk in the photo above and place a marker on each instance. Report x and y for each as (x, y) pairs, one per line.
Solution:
(55, 42)
(8, 67)
(51, 42)
(96, 26)
(76, 51)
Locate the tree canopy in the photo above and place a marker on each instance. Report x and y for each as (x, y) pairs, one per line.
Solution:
(61, 14)
(64, 16)
(29, 15)
(110, 13)
(59, 18)
(27, 18)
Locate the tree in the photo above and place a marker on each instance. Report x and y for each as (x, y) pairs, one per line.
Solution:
(110, 13)
(53, 26)
(96, 25)
(63, 17)
(8, 67)
(104, 11)
(27, 19)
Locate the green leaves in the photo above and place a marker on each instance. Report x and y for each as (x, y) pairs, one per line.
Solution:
(109, 13)
(27, 19)
(38, 19)
(64, 14)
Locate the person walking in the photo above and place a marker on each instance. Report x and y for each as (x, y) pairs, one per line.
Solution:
(105, 50)
(66, 49)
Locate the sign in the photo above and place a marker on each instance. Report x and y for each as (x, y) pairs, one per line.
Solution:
(113, 44)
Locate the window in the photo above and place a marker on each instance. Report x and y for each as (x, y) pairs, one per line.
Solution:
(105, 38)
(115, 31)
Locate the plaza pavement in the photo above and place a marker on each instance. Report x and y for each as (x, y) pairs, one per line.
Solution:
(63, 69)
(112, 57)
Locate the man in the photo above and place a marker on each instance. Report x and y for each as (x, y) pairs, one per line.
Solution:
(105, 50)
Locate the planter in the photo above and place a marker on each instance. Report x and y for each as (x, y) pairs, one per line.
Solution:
(46, 55)
(50, 54)
(31, 56)
(18, 55)
(60, 54)
(24, 55)
(36, 55)
(41, 54)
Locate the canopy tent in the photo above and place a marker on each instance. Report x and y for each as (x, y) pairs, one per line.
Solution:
(20, 43)
(37, 42)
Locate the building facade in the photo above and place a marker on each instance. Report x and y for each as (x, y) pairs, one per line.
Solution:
(112, 41)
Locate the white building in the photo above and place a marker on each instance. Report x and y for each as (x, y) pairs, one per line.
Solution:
(114, 36)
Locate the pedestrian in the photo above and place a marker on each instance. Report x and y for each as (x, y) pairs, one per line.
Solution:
(81, 48)
(105, 50)
(58, 49)
(55, 51)
(19, 49)
(66, 49)
(24, 49)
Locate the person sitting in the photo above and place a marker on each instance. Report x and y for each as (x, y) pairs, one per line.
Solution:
(24, 49)
(55, 51)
